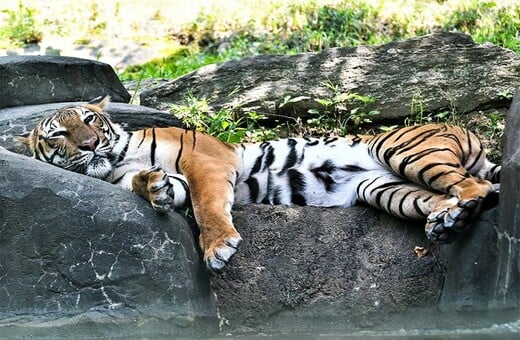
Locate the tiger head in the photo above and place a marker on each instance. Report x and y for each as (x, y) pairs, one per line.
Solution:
(78, 138)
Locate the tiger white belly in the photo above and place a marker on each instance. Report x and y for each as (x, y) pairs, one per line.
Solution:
(305, 171)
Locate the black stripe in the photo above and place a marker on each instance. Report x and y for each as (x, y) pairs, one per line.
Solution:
(494, 174)
(276, 197)
(367, 186)
(297, 186)
(177, 160)
(456, 139)
(408, 145)
(352, 168)
(42, 153)
(291, 157)
(153, 147)
(142, 139)
(356, 140)
(420, 174)
(383, 188)
(440, 174)
(469, 167)
(194, 139)
(329, 140)
(391, 201)
(122, 155)
(418, 208)
(187, 199)
(269, 158)
(448, 188)
(117, 180)
(257, 165)
(322, 173)
(378, 141)
(254, 188)
(401, 203)
(470, 147)
(416, 157)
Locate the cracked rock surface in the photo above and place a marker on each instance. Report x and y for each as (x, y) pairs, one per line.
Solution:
(74, 245)
(47, 79)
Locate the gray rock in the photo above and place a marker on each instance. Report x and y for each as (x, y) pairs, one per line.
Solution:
(300, 268)
(436, 72)
(77, 250)
(31, 80)
(507, 284)
(17, 121)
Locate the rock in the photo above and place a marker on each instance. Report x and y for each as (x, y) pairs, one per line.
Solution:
(350, 268)
(31, 80)
(436, 72)
(16, 121)
(507, 283)
(77, 250)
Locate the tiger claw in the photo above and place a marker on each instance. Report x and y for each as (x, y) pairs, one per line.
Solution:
(441, 226)
(437, 232)
(222, 254)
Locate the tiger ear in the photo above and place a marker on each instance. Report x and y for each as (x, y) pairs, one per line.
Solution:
(100, 101)
(27, 140)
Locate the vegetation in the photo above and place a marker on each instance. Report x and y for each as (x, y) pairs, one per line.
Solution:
(308, 26)
(20, 27)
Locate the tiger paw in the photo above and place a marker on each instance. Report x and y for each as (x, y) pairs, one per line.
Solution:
(455, 217)
(460, 217)
(437, 232)
(218, 254)
(153, 184)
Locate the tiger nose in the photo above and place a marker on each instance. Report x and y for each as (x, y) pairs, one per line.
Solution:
(89, 144)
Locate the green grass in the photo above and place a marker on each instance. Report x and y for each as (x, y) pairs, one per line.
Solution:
(313, 26)
(20, 27)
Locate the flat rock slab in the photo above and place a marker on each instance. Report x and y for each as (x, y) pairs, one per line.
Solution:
(28, 80)
(436, 73)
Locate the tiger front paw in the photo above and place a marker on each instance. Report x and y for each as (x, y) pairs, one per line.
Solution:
(153, 185)
(218, 252)
(456, 217)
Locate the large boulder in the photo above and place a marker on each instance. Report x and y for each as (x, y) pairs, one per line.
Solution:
(506, 292)
(437, 72)
(303, 269)
(30, 80)
(76, 250)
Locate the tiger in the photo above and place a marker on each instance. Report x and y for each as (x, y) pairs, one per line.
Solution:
(434, 172)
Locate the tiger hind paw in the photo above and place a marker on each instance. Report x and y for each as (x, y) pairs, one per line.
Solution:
(442, 225)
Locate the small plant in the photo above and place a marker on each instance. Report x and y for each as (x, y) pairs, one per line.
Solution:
(341, 114)
(21, 27)
(224, 124)
(418, 115)
(505, 95)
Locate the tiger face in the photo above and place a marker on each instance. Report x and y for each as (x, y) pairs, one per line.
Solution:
(80, 139)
